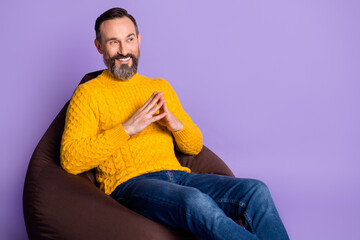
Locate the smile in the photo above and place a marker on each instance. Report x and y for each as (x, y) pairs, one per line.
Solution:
(124, 59)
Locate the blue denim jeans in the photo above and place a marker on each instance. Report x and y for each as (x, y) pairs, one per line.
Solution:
(204, 204)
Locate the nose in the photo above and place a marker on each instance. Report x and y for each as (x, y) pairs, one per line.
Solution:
(122, 50)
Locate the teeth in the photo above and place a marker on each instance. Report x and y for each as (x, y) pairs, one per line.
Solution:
(124, 59)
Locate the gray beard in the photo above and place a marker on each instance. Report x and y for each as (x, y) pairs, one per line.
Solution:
(124, 72)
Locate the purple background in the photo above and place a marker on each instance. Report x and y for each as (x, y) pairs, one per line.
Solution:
(274, 86)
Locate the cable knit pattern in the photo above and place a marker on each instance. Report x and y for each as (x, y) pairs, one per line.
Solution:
(94, 137)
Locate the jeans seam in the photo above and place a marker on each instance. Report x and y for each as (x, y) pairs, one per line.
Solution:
(242, 205)
(170, 174)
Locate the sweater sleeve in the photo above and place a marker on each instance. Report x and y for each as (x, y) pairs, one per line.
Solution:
(83, 146)
(189, 139)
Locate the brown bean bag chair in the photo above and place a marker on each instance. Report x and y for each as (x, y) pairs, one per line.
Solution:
(59, 205)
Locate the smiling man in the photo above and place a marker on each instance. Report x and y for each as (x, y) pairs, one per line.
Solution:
(124, 125)
(110, 39)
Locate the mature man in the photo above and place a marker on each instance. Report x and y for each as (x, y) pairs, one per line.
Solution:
(124, 124)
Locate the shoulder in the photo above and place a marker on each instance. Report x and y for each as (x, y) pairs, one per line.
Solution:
(92, 86)
(87, 91)
(163, 84)
(157, 81)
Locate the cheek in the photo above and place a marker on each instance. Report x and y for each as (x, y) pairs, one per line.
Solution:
(108, 54)
(135, 50)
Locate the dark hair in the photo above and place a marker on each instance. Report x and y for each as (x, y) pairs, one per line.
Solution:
(111, 14)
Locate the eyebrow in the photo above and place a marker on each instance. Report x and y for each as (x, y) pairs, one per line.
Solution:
(110, 39)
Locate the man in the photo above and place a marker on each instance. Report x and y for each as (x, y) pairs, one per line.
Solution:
(124, 124)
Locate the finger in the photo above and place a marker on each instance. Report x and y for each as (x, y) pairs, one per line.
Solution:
(164, 107)
(149, 100)
(158, 117)
(157, 107)
(153, 102)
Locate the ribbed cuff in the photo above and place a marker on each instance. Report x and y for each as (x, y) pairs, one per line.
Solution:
(183, 134)
(117, 135)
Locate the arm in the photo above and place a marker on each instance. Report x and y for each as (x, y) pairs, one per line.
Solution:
(187, 135)
(82, 146)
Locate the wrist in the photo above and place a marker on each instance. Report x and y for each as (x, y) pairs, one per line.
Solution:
(128, 129)
(179, 127)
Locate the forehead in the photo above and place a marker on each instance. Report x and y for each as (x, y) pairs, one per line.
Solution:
(117, 28)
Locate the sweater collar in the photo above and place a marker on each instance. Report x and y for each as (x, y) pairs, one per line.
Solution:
(114, 81)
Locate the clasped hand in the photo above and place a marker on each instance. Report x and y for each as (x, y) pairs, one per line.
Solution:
(147, 115)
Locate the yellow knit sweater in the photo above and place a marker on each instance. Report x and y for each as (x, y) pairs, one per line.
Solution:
(94, 137)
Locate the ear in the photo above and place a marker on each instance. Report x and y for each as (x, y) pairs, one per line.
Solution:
(98, 46)
(139, 39)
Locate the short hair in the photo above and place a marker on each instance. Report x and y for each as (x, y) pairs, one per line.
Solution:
(111, 14)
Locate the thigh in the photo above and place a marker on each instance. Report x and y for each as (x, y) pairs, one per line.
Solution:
(162, 201)
(230, 193)
(180, 206)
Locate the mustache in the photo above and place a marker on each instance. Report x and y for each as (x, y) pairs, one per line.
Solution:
(119, 56)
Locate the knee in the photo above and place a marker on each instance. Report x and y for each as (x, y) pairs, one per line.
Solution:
(260, 187)
(260, 192)
(194, 199)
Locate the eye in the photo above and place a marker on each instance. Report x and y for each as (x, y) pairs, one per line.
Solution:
(113, 42)
(130, 39)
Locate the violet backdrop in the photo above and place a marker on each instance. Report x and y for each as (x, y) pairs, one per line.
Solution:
(273, 85)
